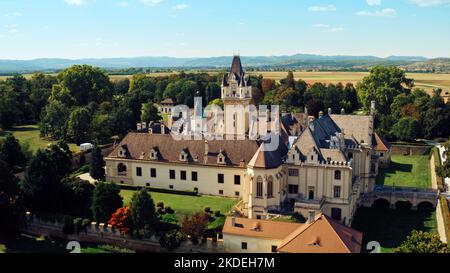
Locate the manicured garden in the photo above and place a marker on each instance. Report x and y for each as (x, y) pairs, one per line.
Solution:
(406, 171)
(30, 134)
(186, 205)
(391, 227)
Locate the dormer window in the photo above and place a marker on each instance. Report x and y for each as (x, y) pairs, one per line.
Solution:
(123, 151)
(221, 158)
(153, 154)
(184, 156)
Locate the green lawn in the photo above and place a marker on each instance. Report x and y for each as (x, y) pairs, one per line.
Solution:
(30, 134)
(391, 227)
(406, 171)
(186, 205)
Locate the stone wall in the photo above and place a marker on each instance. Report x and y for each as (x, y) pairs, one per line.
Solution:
(105, 234)
(410, 150)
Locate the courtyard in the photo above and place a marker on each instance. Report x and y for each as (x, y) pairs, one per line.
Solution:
(406, 171)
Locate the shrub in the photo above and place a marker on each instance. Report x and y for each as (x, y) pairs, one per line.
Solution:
(169, 210)
(77, 225)
(160, 205)
(208, 210)
(161, 211)
(195, 226)
(121, 220)
(217, 213)
(170, 218)
(171, 240)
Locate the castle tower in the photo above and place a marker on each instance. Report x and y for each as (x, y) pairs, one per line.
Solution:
(236, 97)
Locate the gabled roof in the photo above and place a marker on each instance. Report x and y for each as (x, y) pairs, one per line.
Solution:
(380, 143)
(324, 235)
(238, 152)
(267, 229)
(268, 158)
(355, 125)
(323, 128)
(168, 101)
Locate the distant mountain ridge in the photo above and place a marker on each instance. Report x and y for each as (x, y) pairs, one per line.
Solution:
(297, 61)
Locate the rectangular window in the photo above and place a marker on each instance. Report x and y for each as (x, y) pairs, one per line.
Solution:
(221, 192)
(153, 172)
(237, 194)
(293, 172)
(244, 245)
(183, 175)
(138, 171)
(293, 189)
(147, 184)
(194, 176)
(220, 178)
(171, 187)
(337, 191)
(237, 180)
(172, 174)
(196, 189)
(274, 249)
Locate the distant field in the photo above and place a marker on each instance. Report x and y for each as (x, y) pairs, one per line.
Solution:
(426, 81)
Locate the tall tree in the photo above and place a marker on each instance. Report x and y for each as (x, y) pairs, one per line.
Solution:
(149, 113)
(78, 125)
(97, 170)
(106, 200)
(11, 152)
(422, 242)
(86, 83)
(54, 120)
(142, 210)
(11, 210)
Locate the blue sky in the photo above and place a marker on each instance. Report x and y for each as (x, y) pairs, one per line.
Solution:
(187, 28)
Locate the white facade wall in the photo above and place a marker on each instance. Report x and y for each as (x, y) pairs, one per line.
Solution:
(207, 177)
(233, 244)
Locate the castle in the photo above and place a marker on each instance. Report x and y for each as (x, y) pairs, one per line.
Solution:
(320, 165)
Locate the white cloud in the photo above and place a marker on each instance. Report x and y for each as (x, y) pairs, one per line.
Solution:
(180, 6)
(123, 4)
(430, 3)
(17, 14)
(328, 28)
(151, 2)
(322, 8)
(388, 12)
(78, 2)
(373, 2)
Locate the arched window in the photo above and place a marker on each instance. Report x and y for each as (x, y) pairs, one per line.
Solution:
(270, 187)
(121, 169)
(259, 187)
(337, 175)
(350, 155)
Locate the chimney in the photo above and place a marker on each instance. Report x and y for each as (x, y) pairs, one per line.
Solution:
(311, 216)
(330, 111)
(342, 111)
(206, 148)
(372, 108)
(233, 221)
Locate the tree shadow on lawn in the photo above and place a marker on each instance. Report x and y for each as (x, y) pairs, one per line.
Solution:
(394, 167)
(390, 227)
(31, 244)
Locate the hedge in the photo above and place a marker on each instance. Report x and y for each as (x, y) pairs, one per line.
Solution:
(446, 214)
(437, 163)
(150, 189)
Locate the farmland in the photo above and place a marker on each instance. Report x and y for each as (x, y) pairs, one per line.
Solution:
(427, 81)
